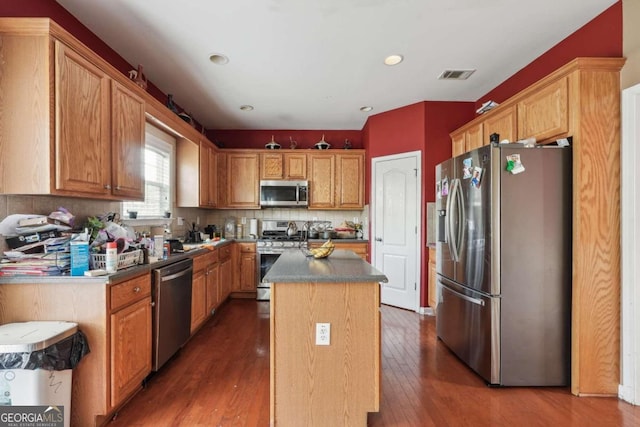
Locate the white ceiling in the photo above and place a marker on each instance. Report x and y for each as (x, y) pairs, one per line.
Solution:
(307, 64)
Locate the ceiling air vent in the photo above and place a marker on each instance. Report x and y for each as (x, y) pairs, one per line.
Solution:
(455, 74)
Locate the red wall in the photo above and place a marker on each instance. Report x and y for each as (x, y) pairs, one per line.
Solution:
(304, 138)
(423, 127)
(51, 9)
(602, 36)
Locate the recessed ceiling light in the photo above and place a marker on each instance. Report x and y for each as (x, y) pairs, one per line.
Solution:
(393, 59)
(218, 58)
(246, 107)
(366, 108)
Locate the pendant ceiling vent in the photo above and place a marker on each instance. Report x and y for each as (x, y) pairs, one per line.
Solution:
(455, 74)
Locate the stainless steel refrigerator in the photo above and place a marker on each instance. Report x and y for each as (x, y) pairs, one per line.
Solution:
(503, 245)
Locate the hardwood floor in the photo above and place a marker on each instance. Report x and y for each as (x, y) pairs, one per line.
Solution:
(221, 378)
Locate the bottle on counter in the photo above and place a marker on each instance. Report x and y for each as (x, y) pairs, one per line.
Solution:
(165, 250)
(111, 259)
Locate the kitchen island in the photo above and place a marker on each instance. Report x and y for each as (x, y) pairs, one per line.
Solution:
(334, 301)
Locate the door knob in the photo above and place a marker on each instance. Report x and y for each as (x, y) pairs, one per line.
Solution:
(378, 239)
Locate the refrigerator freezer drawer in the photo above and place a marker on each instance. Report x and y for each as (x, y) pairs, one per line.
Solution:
(467, 322)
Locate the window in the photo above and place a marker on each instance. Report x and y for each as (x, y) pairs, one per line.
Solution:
(159, 154)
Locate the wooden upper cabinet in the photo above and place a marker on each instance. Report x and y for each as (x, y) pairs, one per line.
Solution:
(81, 120)
(243, 180)
(545, 113)
(350, 181)
(466, 140)
(295, 166)
(222, 179)
(281, 165)
(128, 135)
(503, 123)
(208, 175)
(197, 174)
(457, 144)
(272, 166)
(322, 184)
(473, 138)
(82, 146)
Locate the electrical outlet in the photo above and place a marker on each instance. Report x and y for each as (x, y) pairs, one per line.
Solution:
(198, 220)
(180, 220)
(323, 333)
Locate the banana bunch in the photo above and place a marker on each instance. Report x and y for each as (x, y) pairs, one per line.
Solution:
(323, 251)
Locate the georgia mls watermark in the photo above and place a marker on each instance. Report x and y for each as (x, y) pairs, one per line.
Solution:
(32, 416)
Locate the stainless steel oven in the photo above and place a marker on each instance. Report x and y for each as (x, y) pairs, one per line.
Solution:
(273, 241)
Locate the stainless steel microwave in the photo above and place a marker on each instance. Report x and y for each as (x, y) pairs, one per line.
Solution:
(284, 193)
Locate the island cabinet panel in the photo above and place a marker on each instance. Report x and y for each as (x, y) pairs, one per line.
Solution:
(322, 184)
(317, 385)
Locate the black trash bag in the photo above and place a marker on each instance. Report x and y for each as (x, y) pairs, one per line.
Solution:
(65, 354)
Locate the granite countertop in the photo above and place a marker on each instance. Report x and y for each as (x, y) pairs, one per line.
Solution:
(293, 266)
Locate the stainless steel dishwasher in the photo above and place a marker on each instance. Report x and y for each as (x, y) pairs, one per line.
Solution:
(171, 293)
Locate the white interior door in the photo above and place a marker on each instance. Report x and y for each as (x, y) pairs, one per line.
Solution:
(629, 388)
(394, 227)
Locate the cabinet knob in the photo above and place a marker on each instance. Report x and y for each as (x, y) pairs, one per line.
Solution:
(378, 239)
(118, 187)
(136, 289)
(153, 304)
(107, 186)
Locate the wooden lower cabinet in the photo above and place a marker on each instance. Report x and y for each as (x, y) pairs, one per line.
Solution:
(226, 272)
(360, 248)
(130, 337)
(432, 288)
(246, 267)
(198, 300)
(205, 295)
(115, 318)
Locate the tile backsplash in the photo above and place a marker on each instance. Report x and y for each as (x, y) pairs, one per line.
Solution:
(83, 208)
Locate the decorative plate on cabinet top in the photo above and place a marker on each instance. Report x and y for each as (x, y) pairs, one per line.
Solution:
(322, 144)
(272, 145)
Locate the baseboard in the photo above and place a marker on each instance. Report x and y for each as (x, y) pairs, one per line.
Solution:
(627, 394)
(427, 311)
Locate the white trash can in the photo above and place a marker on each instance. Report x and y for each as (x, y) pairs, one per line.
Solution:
(35, 371)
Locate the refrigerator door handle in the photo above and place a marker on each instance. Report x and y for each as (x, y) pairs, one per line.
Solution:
(476, 301)
(455, 233)
(461, 217)
(449, 224)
